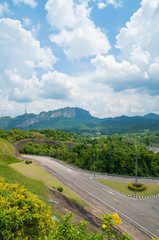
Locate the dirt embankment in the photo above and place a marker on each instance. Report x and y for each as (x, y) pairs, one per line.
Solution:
(22, 142)
(68, 205)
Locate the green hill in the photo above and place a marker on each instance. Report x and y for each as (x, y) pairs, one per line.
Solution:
(7, 157)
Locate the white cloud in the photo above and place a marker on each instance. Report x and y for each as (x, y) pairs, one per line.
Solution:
(21, 56)
(136, 66)
(78, 35)
(32, 3)
(114, 3)
(55, 85)
(52, 85)
(142, 31)
(4, 8)
(26, 22)
(35, 30)
(118, 75)
(20, 50)
(61, 13)
(101, 5)
(22, 90)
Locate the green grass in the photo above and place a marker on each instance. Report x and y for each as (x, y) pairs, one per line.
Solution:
(29, 175)
(151, 189)
(6, 149)
(35, 172)
(35, 186)
(11, 176)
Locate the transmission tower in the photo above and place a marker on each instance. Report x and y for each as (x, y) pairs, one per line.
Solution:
(26, 128)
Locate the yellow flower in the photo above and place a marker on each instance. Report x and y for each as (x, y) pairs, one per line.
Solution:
(154, 238)
(105, 225)
(116, 219)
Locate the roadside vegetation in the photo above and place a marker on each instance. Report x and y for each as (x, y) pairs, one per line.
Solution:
(111, 154)
(24, 216)
(33, 171)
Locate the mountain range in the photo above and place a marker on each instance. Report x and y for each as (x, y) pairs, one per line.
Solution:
(80, 121)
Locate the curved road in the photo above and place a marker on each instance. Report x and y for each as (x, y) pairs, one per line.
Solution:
(141, 213)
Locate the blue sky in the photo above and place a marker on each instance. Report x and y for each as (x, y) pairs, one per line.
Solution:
(100, 55)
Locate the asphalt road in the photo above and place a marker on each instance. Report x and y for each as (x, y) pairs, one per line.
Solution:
(142, 213)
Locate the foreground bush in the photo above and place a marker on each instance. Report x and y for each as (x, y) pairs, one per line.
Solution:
(69, 230)
(22, 215)
(108, 226)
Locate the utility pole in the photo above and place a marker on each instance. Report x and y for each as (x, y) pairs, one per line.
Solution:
(94, 165)
(135, 169)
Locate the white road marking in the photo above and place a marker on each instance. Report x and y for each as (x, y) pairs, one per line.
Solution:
(110, 192)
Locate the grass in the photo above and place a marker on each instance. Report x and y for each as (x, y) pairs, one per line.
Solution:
(6, 149)
(11, 176)
(151, 189)
(29, 175)
(35, 172)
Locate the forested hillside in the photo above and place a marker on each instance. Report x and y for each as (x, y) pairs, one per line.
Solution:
(146, 138)
(112, 155)
(15, 135)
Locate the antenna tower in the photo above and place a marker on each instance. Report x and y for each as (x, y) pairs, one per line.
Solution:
(26, 119)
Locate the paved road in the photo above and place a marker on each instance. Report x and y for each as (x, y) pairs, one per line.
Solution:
(144, 213)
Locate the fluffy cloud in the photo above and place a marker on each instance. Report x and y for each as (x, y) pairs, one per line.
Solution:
(137, 65)
(21, 56)
(20, 50)
(119, 76)
(115, 3)
(22, 90)
(78, 35)
(54, 85)
(4, 8)
(32, 3)
(142, 31)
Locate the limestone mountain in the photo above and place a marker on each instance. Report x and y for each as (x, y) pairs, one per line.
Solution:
(80, 121)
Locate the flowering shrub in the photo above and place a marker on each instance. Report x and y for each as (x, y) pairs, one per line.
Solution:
(108, 226)
(23, 215)
(67, 229)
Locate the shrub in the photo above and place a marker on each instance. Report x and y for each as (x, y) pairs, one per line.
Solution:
(28, 162)
(23, 215)
(60, 189)
(108, 227)
(67, 229)
(139, 186)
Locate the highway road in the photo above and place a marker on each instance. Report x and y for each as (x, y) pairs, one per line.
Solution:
(141, 213)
